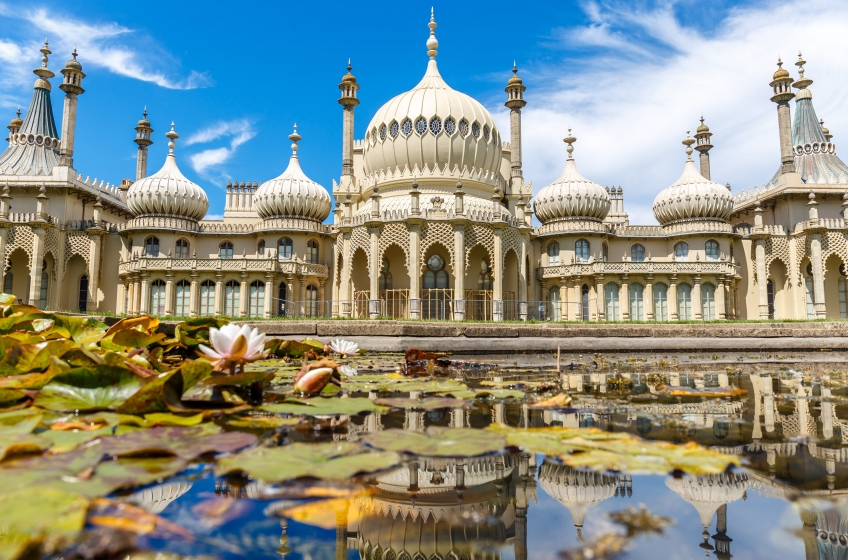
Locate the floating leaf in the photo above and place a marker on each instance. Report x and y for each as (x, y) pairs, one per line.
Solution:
(15, 444)
(241, 379)
(262, 422)
(91, 388)
(438, 441)
(293, 349)
(703, 392)
(186, 443)
(558, 401)
(43, 513)
(163, 393)
(434, 403)
(136, 339)
(9, 396)
(324, 406)
(337, 461)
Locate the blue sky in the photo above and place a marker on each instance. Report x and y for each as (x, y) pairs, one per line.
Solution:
(630, 77)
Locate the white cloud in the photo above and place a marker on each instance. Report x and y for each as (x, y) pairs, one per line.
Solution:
(649, 78)
(238, 131)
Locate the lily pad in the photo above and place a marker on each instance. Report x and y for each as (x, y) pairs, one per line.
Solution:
(324, 406)
(88, 388)
(186, 443)
(438, 441)
(43, 513)
(703, 392)
(329, 461)
(262, 422)
(434, 403)
(240, 379)
(163, 393)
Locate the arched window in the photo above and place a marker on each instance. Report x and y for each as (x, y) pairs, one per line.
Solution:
(711, 250)
(553, 253)
(660, 302)
(232, 293)
(281, 299)
(611, 300)
(257, 298)
(183, 298)
(312, 251)
(207, 298)
(225, 250)
(584, 302)
(770, 295)
(843, 298)
(604, 252)
(708, 304)
(637, 253)
(435, 277)
(44, 288)
(311, 301)
(157, 297)
(681, 251)
(284, 249)
(554, 301)
(8, 282)
(82, 294)
(182, 249)
(581, 250)
(260, 249)
(684, 302)
(151, 246)
(385, 275)
(637, 305)
(484, 279)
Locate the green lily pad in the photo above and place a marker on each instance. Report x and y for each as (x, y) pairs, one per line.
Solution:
(89, 388)
(43, 513)
(292, 348)
(187, 443)
(329, 461)
(324, 406)
(406, 384)
(437, 441)
(434, 403)
(240, 379)
(16, 444)
(163, 392)
(262, 422)
(62, 441)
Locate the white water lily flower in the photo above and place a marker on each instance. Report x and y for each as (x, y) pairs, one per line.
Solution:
(233, 344)
(344, 347)
(347, 371)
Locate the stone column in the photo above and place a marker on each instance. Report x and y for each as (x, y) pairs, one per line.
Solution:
(290, 309)
(219, 294)
(169, 294)
(497, 281)
(321, 303)
(145, 295)
(522, 280)
(600, 298)
(137, 297)
(414, 271)
(301, 292)
(35, 265)
(672, 298)
(697, 309)
(720, 304)
(374, 274)
(563, 300)
(92, 300)
(459, 272)
(4, 236)
(334, 289)
(269, 295)
(194, 296)
(728, 298)
(818, 276)
(345, 289)
(762, 279)
(244, 296)
(119, 304)
(649, 298)
(130, 298)
(624, 299)
(576, 299)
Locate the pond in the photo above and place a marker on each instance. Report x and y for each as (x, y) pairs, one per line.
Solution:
(415, 457)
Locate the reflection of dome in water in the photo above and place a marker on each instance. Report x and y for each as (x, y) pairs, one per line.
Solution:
(156, 498)
(709, 492)
(832, 531)
(439, 474)
(576, 490)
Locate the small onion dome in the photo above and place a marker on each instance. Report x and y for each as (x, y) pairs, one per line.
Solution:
(575, 489)
(143, 122)
(515, 79)
(349, 77)
(703, 127)
(708, 493)
(16, 122)
(825, 131)
(781, 72)
(692, 196)
(167, 192)
(74, 63)
(292, 194)
(572, 195)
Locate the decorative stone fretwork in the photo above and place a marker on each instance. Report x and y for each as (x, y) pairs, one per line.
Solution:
(394, 233)
(476, 234)
(20, 237)
(360, 239)
(440, 233)
(628, 267)
(76, 243)
(511, 240)
(834, 243)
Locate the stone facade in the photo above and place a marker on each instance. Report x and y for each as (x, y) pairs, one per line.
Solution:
(432, 220)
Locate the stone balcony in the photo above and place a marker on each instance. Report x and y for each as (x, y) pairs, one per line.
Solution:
(720, 268)
(273, 266)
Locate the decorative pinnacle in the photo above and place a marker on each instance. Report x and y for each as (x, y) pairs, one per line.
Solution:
(74, 54)
(432, 42)
(801, 82)
(144, 113)
(349, 67)
(688, 143)
(43, 72)
(171, 135)
(19, 113)
(295, 138)
(514, 68)
(570, 140)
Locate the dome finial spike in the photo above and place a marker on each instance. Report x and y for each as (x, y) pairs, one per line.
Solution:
(514, 68)
(171, 135)
(570, 140)
(349, 67)
(295, 138)
(688, 143)
(432, 42)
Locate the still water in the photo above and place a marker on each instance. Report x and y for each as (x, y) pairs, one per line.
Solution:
(789, 501)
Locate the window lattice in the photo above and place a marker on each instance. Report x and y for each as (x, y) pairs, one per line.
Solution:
(393, 130)
(463, 128)
(407, 127)
(383, 132)
(421, 125)
(475, 130)
(450, 126)
(435, 125)
(486, 133)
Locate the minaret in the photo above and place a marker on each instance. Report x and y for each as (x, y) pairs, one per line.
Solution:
(15, 126)
(783, 94)
(72, 86)
(702, 137)
(143, 132)
(515, 101)
(348, 101)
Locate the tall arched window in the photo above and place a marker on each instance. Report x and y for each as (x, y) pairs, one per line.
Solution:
(435, 277)
(157, 297)
(8, 282)
(183, 298)
(282, 292)
(182, 249)
(637, 253)
(207, 298)
(284, 249)
(484, 279)
(257, 298)
(604, 252)
(611, 300)
(311, 301)
(581, 250)
(260, 249)
(225, 250)
(312, 251)
(681, 251)
(660, 302)
(232, 293)
(584, 302)
(553, 253)
(151, 246)
(45, 286)
(711, 250)
(684, 302)
(385, 275)
(553, 299)
(708, 304)
(82, 294)
(843, 298)
(637, 305)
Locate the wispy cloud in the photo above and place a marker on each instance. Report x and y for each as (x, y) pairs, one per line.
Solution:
(237, 131)
(640, 78)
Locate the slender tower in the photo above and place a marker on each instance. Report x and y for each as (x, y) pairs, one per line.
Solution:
(72, 86)
(348, 101)
(15, 126)
(702, 139)
(782, 86)
(142, 138)
(514, 102)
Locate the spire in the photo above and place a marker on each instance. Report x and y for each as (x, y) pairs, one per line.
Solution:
(432, 42)
(688, 143)
(801, 82)
(43, 72)
(171, 135)
(570, 140)
(295, 138)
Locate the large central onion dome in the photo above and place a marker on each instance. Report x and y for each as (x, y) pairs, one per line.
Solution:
(292, 194)
(576, 490)
(692, 197)
(433, 130)
(572, 196)
(167, 192)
